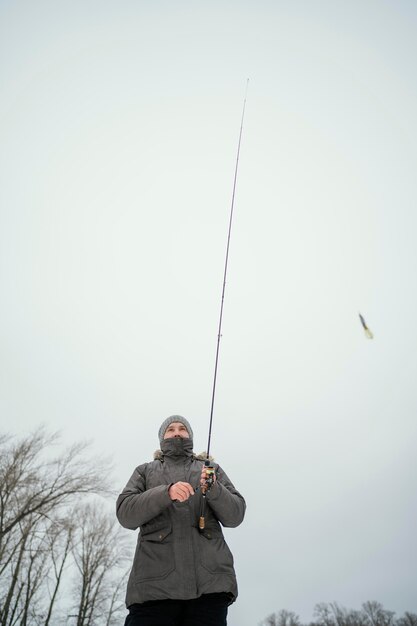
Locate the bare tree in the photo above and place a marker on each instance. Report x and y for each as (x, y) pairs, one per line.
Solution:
(376, 615)
(31, 484)
(34, 490)
(116, 601)
(100, 554)
(372, 613)
(354, 618)
(60, 540)
(324, 614)
(13, 585)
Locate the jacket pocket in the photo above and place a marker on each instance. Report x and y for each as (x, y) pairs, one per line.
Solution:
(215, 554)
(154, 555)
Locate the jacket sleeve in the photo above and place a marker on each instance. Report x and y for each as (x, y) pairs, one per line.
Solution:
(226, 502)
(137, 505)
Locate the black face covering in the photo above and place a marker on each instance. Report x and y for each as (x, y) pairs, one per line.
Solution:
(177, 446)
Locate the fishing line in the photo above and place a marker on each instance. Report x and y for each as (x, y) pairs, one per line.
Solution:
(219, 333)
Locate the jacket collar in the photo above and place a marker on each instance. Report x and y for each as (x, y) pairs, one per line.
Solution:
(159, 454)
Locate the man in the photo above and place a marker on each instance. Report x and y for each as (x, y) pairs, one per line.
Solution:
(182, 575)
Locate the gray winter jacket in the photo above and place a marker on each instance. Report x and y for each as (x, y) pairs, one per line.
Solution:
(173, 559)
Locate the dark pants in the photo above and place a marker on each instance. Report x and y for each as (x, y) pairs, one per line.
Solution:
(207, 610)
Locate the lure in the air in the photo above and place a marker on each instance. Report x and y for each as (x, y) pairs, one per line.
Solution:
(365, 327)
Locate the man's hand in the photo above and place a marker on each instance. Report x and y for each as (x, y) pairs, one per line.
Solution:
(180, 491)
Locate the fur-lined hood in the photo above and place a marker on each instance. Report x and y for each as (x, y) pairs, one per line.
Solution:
(158, 455)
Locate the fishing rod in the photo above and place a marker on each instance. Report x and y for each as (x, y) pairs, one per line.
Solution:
(209, 469)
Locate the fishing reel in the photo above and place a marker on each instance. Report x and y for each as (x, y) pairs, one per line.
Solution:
(205, 487)
(210, 474)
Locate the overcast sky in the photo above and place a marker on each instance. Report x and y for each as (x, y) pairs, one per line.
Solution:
(119, 124)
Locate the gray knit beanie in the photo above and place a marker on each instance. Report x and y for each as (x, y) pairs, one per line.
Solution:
(170, 420)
